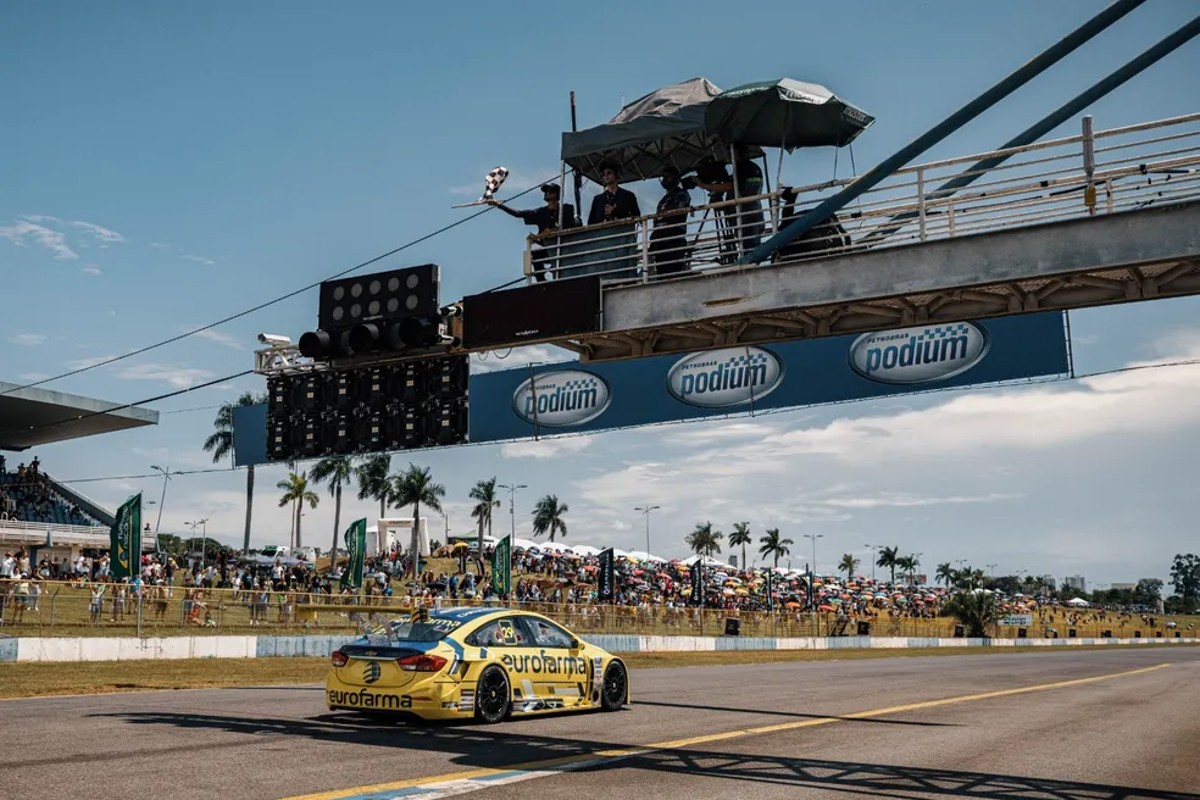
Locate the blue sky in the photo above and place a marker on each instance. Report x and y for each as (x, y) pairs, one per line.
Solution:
(167, 164)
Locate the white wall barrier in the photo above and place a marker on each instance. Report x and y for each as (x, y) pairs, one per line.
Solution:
(57, 649)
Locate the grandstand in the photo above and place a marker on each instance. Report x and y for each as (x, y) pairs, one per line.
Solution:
(37, 511)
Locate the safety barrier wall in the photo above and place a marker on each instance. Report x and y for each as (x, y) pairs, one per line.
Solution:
(57, 649)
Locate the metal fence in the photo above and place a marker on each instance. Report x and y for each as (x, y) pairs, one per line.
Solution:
(72, 609)
(1105, 172)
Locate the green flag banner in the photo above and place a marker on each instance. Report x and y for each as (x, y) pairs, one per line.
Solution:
(356, 546)
(502, 567)
(125, 540)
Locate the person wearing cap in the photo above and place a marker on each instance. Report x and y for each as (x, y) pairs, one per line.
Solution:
(545, 219)
(668, 240)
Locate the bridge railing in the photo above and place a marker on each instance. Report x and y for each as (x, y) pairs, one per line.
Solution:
(1129, 168)
(60, 608)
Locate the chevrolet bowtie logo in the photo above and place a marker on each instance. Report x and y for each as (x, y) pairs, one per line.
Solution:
(371, 672)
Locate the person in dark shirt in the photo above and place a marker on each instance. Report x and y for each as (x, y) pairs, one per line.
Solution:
(546, 220)
(745, 218)
(614, 202)
(668, 241)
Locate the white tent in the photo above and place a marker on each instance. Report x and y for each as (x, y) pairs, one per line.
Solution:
(526, 544)
(708, 561)
(586, 550)
(642, 555)
(1078, 602)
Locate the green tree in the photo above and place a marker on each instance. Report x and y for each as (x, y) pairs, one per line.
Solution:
(296, 491)
(945, 573)
(548, 517)
(415, 487)
(848, 564)
(774, 547)
(220, 444)
(908, 566)
(336, 471)
(704, 540)
(887, 560)
(484, 495)
(741, 535)
(977, 611)
(374, 482)
(1185, 577)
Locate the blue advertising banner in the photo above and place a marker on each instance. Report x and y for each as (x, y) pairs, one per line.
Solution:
(573, 397)
(249, 435)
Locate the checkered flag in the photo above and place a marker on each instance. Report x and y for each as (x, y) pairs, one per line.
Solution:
(495, 179)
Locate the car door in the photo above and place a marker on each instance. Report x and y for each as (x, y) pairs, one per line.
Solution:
(561, 675)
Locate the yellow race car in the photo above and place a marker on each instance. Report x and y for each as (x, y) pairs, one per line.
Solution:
(480, 663)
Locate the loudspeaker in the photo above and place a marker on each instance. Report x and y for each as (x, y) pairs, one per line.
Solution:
(1022, 633)
(530, 314)
(864, 628)
(959, 631)
(733, 626)
(1070, 633)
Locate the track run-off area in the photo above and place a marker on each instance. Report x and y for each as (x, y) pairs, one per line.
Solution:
(1061, 724)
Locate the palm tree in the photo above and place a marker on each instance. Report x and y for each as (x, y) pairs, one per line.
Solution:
(704, 540)
(887, 560)
(741, 535)
(849, 564)
(945, 573)
(548, 517)
(415, 487)
(295, 490)
(907, 566)
(220, 443)
(773, 546)
(337, 471)
(976, 610)
(484, 493)
(374, 481)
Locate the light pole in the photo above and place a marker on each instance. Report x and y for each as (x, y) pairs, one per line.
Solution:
(873, 547)
(512, 505)
(646, 513)
(991, 568)
(446, 522)
(166, 473)
(812, 537)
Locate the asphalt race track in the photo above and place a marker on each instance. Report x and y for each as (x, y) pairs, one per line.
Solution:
(1062, 724)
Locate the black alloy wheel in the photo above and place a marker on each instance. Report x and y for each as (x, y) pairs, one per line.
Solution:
(493, 698)
(615, 687)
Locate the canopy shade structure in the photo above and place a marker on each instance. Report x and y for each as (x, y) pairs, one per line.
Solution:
(784, 113)
(664, 127)
(32, 417)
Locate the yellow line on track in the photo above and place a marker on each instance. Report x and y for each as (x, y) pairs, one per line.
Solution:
(674, 744)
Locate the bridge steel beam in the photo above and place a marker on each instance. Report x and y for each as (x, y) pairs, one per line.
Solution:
(1147, 254)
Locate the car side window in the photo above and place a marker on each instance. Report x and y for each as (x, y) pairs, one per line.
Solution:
(498, 633)
(546, 634)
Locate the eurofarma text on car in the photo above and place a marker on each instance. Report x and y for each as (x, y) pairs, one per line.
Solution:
(481, 663)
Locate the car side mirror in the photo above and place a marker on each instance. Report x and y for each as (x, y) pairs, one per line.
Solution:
(574, 644)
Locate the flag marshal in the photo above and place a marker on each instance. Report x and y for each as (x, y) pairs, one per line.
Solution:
(502, 567)
(356, 545)
(125, 540)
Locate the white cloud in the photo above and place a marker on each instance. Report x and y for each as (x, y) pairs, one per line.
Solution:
(518, 357)
(175, 377)
(711, 434)
(208, 262)
(28, 339)
(546, 448)
(85, 363)
(217, 337)
(33, 377)
(903, 500)
(99, 232)
(22, 230)
(91, 269)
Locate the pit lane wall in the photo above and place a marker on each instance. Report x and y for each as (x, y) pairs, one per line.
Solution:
(176, 647)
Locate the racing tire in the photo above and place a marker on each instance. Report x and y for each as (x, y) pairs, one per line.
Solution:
(615, 687)
(493, 696)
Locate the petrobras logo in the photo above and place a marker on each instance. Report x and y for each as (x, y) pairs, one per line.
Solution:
(923, 354)
(734, 376)
(562, 399)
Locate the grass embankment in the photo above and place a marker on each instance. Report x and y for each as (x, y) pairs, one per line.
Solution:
(36, 680)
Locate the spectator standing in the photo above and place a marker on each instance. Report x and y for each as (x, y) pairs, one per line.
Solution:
(614, 202)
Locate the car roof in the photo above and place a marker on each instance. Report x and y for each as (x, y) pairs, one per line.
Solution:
(466, 614)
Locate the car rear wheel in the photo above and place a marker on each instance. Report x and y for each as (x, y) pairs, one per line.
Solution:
(615, 688)
(493, 697)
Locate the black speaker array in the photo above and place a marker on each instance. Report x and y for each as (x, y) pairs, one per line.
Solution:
(401, 406)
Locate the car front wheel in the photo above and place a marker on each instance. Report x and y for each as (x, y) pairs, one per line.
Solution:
(493, 697)
(615, 687)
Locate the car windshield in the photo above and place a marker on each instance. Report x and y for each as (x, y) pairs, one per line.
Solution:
(433, 629)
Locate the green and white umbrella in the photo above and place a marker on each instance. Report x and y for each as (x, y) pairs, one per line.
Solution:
(784, 113)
